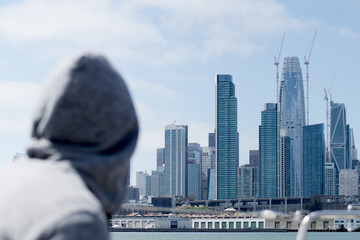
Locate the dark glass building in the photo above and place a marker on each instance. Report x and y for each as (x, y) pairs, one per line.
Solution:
(268, 145)
(226, 138)
(314, 159)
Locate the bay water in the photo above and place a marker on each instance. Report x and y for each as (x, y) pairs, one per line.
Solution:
(231, 236)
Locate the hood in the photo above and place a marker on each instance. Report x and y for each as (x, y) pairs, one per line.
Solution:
(86, 117)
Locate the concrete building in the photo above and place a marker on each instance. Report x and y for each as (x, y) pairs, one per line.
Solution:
(348, 182)
(330, 179)
(207, 162)
(176, 143)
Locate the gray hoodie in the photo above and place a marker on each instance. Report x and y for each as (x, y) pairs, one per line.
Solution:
(83, 135)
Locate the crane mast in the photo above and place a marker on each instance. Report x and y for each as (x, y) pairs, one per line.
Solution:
(276, 63)
(306, 62)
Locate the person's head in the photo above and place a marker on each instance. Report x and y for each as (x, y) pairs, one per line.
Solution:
(86, 116)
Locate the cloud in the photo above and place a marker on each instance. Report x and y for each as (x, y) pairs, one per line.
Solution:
(170, 31)
(349, 33)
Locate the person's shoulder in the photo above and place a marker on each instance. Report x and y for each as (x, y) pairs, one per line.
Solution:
(77, 226)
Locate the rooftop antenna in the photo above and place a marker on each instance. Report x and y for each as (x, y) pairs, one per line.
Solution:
(327, 92)
(276, 63)
(306, 62)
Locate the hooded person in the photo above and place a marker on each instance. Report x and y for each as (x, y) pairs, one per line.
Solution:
(77, 163)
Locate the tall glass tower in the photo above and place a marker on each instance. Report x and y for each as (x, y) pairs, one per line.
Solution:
(314, 159)
(292, 119)
(226, 138)
(268, 145)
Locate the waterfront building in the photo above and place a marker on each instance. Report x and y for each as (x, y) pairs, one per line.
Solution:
(314, 159)
(292, 119)
(207, 162)
(212, 184)
(283, 165)
(176, 142)
(226, 138)
(330, 179)
(349, 182)
(268, 145)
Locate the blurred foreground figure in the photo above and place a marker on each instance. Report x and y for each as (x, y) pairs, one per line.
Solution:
(84, 131)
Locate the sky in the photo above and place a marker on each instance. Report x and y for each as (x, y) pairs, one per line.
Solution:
(169, 53)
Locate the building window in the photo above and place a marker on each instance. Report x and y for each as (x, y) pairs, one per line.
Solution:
(231, 225)
(224, 225)
(253, 225)
(246, 224)
(261, 225)
(210, 225)
(203, 225)
(238, 225)
(196, 224)
(217, 225)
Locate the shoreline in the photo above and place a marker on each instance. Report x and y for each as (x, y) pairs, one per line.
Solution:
(215, 230)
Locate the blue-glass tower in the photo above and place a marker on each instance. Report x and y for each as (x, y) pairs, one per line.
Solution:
(268, 145)
(292, 119)
(314, 159)
(227, 146)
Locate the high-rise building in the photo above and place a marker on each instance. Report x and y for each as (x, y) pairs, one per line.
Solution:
(211, 140)
(142, 182)
(207, 162)
(194, 153)
(283, 165)
(194, 178)
(268, 145)
(160, 159)
(292, 119)
(254, 158)
(314, 159)
(226, 138)
(339, 137)
(330, 179)
(157, 184)
(349, 182)
(176, 142)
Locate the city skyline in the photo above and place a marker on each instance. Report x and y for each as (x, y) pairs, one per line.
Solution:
(169, 52)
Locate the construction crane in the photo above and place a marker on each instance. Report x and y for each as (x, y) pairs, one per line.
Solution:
(306, 62)
(327, 92)
(276, 63)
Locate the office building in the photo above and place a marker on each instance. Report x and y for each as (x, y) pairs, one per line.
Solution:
(226, 138)
(268, 145)
(160, 159)
(330, 179)
(207, 162)
(292, 119)
(176, 142)
(348, 182)
(283, 166)
(143, 182)
(194, 180)
(314, 159)
(157, 184)
(211, 140)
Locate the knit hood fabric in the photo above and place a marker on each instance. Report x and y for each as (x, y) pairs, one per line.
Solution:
(86, 117)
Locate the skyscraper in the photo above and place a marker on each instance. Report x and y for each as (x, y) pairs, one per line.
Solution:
(292, 119)
(176, 142)
(314, 159)
(338, 137)
(283, 165)
(268, 145)
(207, 163)
(226, 138)
(160, 159)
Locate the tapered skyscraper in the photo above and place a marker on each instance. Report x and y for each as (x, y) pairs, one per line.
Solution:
(292, 119)
(226, 138)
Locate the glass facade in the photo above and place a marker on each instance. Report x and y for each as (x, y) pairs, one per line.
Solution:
(292, 119)
(268, 132)
(314, 159)
(226, 138)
